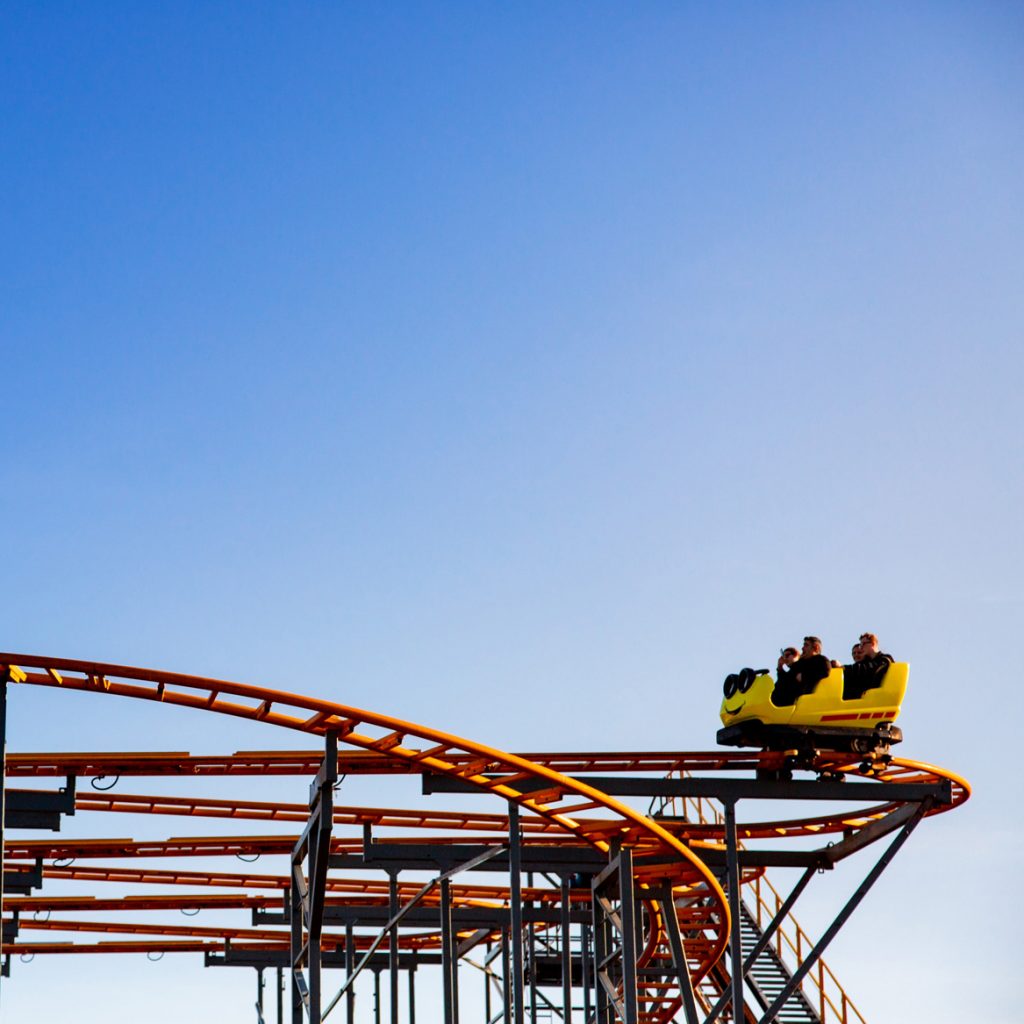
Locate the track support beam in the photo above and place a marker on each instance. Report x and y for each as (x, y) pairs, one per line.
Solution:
(851, 904)
(306, 903)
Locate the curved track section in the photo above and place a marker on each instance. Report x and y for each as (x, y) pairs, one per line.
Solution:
(567, 803)
(558, 809)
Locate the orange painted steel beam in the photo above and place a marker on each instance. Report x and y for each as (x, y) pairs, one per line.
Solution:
(332, 940)
(215, 846)
(424, 942)
(202, 901)
(387, 735)
(167, 930)
(183, 946)
(699, 834)
(563, 805)
(358, 762)
(200, 939)
(355, 886)
(361, 762)
(260, 810)
(399, 817)
(163, 876)
(450, 754)
(253, 762)
(198, 846)
(307, 763)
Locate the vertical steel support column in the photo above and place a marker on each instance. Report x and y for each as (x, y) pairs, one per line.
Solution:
(307, 896)
(532, 932)
(585, 968)
(602, 1004)
(376, 997)
(506, 979)
(3, 788)
(412, 994)
(516, 906)
(566, 955)
(322, 821)
(294, 899)
(259, 995)
(732, 861)
(393, 944)
(667, 908)
(280, 995)
(455, 974)
(447, 967)
(487, 986)
(627, 902)
(350, 966)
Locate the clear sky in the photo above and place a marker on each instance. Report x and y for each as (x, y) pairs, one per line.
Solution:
(521, 370)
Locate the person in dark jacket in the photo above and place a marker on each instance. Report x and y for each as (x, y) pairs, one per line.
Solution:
(868, 670)
(799, 677)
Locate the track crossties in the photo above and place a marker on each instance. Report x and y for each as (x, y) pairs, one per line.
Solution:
(600, 875)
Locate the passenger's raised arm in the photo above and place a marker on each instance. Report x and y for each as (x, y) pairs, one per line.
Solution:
(799, 676)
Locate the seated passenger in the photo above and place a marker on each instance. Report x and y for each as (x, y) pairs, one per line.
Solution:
(799, 676)
(868, 668)
(855, 654)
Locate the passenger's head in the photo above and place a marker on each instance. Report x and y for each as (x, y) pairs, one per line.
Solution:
(812, 645)
(857, 653)
(789, 655)
(868, 645)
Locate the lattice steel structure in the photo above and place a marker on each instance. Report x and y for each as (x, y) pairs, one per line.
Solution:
(589, 907)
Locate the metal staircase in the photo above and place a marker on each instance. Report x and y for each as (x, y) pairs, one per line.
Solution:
(769, 975)
(820, 999)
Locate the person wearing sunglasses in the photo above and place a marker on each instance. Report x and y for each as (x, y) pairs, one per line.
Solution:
(799, 676)
(868, 668)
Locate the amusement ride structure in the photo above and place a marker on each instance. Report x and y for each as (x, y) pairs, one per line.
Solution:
(591, 887)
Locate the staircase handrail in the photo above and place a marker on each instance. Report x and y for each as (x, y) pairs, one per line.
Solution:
(797, 941)
(825, 986)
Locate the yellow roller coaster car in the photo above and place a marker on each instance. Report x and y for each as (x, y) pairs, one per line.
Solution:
(822, 719)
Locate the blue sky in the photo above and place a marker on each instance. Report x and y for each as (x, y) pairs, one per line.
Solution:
(522, 371)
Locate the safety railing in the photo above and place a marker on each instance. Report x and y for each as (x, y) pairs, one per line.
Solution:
(821, 987)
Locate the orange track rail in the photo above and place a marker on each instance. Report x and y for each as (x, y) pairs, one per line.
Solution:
(352, 762)
(260, 810)
(565, 802)
(381, 817)
(214, 879)
(565, 810)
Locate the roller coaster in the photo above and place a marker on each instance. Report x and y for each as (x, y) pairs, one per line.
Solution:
(617, 886)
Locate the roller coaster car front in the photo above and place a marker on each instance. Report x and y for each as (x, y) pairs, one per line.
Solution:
(821, 720)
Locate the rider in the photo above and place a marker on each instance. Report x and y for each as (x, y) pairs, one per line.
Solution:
(868, 670)
(797, 677)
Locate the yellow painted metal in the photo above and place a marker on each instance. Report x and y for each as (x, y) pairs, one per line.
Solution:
(824, 707)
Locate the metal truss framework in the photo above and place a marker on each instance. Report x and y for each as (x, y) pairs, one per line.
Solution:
(624, 916)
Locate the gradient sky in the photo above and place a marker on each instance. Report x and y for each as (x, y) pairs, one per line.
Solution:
(521, 370)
